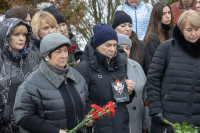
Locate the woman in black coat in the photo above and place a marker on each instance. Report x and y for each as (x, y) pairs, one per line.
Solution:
(159, 29)
(173, 79)
(106, 68)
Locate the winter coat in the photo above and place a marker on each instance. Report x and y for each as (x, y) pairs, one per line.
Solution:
(139, 22)
(177, 9)
(99, 74)
(138, 113)
(14, 67)
(40, 107)
(173, 82)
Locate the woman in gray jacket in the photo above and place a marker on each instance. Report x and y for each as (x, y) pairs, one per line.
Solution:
(53, 97)
(139, 120)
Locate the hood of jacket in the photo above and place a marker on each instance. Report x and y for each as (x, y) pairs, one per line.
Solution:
(6, 28)
(94, 57)
(193, 49)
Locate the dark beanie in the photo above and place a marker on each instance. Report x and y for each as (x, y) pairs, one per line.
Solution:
(119, 18)
(54, 11)
(102, 34)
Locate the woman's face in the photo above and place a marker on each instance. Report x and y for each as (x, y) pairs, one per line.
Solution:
(166, 17)
(63, 28)
(127, 49)
(108, 48)
(28, 19)
(58, 57)
(45, 29)
(124, 28)
(18, 38)
(190, 33)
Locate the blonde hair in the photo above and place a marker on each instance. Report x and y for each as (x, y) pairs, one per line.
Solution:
(190, 16)
(38, 17)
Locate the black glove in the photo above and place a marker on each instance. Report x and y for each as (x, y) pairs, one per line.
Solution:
(158, 117)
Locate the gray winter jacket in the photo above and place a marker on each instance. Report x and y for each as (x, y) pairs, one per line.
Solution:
(138, 113)
(39, 101)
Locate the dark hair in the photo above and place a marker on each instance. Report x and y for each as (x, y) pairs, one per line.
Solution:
(18, 11)
(136, 53)
(155, 22)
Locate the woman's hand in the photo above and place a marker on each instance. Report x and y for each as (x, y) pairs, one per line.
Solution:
(62, 131)
(90, 123)
(130, 86)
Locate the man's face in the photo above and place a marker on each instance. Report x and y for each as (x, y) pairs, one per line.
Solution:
(186, 2)
(133, 3)
(198, 5)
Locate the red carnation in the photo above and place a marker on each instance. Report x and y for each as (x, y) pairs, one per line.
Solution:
(96, 107)
(72, 49)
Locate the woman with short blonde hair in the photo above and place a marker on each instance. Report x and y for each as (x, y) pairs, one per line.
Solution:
(42, 24)
(192, 17)
(173, 79)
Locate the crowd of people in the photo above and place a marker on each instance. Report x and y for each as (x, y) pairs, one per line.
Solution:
(147, 63)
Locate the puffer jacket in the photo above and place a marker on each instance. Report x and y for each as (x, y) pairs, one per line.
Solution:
(14, 67)
(173, 82)
(40, 106)
(140, 22)
(99, 73)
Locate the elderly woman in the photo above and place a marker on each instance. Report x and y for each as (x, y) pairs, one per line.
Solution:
(42, 24)
(139, 120)
(104, 71)
(16, 63)
(53, 97)
(173, 79)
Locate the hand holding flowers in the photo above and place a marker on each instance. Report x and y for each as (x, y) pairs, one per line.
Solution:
(95, 114)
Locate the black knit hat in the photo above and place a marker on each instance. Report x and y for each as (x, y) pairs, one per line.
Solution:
(54, 11)
(119, 18)
(102, 34)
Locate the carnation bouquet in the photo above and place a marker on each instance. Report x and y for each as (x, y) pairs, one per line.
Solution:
(95, 113)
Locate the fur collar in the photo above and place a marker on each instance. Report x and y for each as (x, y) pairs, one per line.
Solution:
(193, 49)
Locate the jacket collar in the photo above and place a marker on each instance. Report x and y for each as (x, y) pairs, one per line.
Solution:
(192, 49)
(54, 78)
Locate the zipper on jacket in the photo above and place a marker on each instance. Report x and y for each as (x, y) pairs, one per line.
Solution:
(135, 21)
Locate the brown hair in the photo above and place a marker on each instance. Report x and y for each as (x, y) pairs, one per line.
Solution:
(155, 23)
(136, 53)
(18, 11)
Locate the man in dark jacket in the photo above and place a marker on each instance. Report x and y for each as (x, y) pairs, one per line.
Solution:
(173, 79)
(53, 97)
